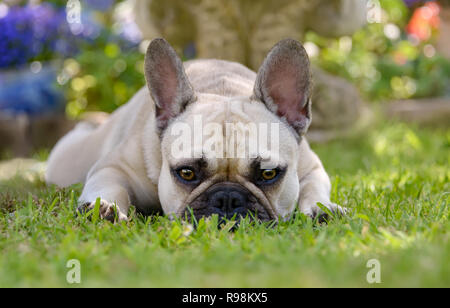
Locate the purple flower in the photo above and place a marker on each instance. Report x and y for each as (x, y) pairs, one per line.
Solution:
(99, 5)
(16, 37)
(41, 32)
(28, 32)
(413, 3)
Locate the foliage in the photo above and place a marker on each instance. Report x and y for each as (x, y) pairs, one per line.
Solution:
(102, 77)
(383, 61)
(395, 179)
(108, 71)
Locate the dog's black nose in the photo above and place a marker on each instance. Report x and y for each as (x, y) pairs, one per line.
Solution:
(228, 200)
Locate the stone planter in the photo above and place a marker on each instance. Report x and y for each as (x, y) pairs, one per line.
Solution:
(443, 43)
(428, 111)
(21, 135)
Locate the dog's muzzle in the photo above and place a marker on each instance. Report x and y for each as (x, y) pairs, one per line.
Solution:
(228, 200)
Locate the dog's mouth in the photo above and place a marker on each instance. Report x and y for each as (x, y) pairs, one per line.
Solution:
(227, 201)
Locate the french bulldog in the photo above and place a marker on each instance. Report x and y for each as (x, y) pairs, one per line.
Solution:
(156, 152)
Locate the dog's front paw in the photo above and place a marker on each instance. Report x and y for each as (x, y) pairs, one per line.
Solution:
(322, 212)
(107, 210)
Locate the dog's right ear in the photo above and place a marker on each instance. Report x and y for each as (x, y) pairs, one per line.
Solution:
(167, 81)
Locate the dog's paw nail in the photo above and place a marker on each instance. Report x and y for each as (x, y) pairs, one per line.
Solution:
(323, 217)
(82, 209)
(107, 211)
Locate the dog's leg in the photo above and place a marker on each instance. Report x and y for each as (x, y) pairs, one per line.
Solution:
(67, 165)
(315, 188)
(111, 186)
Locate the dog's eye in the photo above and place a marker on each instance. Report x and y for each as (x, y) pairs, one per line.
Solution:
(187, 174)
(269, 174)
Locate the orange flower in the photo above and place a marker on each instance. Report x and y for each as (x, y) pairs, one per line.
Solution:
(424, 21)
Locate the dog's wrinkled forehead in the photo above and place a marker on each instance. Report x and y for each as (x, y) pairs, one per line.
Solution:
(229, 133)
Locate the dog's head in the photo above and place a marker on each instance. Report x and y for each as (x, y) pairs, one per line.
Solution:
(231, 156)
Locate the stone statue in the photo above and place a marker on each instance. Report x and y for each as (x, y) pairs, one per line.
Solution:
(244, 31)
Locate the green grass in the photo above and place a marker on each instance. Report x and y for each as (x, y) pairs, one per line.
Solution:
(395, 178)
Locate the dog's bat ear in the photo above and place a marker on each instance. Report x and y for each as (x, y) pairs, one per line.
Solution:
(167, 81)
(284, 84)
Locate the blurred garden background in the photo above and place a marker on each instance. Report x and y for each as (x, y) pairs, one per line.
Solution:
(381, 126)
(61, 59)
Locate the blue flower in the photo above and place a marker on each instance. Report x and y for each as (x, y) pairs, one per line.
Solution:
(35, 31)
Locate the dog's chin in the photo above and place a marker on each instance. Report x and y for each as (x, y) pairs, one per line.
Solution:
(255, 213)
(229, 201)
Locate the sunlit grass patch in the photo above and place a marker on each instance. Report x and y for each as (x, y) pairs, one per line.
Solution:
(398, 194)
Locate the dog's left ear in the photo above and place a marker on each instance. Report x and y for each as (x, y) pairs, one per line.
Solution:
(284, 84)
(167, 81)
